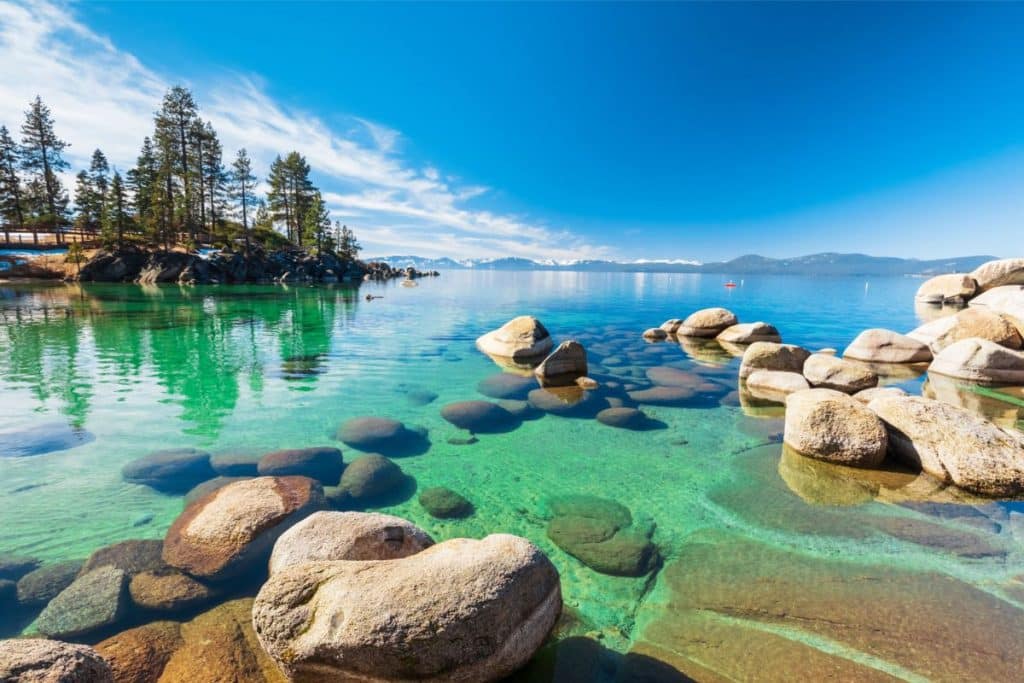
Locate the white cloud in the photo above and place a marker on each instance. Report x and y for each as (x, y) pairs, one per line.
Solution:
(103, 97)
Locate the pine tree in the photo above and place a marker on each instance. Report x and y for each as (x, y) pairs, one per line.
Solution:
(263, 219)
(240, 188)
(41, 156)
(291, 193)
(12, 209)
(117, 219)
(142, 181)
(174, 128)
(85, 219)
(99, 175)
(317, 221)
(213, 175)
(348, 247)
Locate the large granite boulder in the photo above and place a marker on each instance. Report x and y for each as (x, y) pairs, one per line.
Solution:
(41, 585)
(748, 333)
(462, 610)
(523, 339)
(977, 322)
(953, 445)
(94, 601)
(955, 288)
(1007, 271)
(868, 395)
(207, 487)
(139, 655)
(323, 463)
(707, 322)
(979, 360)
(772, 356)
(480, 417)
(234, 528)
(885, 346)
(1007, 301)
(829, 425)
(775, 385)
(347, 536)
(174, 470)
(828, 372)
(564, 366)
(38, 660)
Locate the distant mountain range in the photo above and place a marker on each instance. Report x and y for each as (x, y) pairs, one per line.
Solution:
(751, 264)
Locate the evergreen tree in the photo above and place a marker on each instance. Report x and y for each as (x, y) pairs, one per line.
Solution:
(117, 219)
(41, 156)
(213, 175)
(12, 209)
(291, 193)
(317, 221)
(348, 247)
(174, 127)
(85, 219)
(263, 219)
(142, 181)
(99, 176)
(240, 189)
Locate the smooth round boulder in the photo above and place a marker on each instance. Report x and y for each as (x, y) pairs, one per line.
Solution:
(748, 333)
(168, 590)
(41, 585)
(829, 372)
(624, 418)
(139, 655)
(38, 660)
(323, 463)
(353, 536)
(1007, 301)
(672, 325)
(420, 397)
(172, 471)
(952, 288)
(772, 356)
(885, 346)
(93, 601)
(662, 396)
(370, 433)
(775, 385)
(600, 533)
(523, 339)
(234, 528)
(655, 334)
(1000, 273)
(979, 360)
(443, 503)
(462, 610)
(505, 385)
(831, 426)
(707, 322)
(370, 476)
(566, 401)
(521, 410)
(953, 444)
(235, 463)
(131, 556)
(667, 376)
(479, 417)
(976, 322)
(564, 366)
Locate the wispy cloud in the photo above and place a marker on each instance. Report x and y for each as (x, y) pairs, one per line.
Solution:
(104, 97)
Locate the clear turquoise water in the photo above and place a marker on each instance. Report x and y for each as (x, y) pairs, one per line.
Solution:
(266, 367)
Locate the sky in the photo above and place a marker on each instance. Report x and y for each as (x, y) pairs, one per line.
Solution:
(567, 131)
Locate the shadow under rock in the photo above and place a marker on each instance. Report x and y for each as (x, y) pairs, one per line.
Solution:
(584, 660)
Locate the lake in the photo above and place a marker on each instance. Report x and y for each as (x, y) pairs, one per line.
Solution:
(769, 563)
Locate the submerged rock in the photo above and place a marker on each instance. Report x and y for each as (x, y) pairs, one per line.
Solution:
(174, 470)
(234, 528)
(626, 418)
(356, 536)
(707, 322)
(235, 463)
(953, 444)
(324, 464)
(140, 654)
(381, 435)
(38, 439)
(566, 401)
(748, 333)
(885, 346)
(41, 585)
(505, 385)
(462, 610)
(599, 532)
(368, 477)
(168, 590)
(772, 356)
(94, 601)
(564, 366)
(481, 417)
(523, 339)
(443, 503)
(37, 660)
(979, 360)
(667, 376)
(829, 372)
(952, 288)
(662, 396)
(13, 567)
(831, 426)
(131, 557)
(209, 486)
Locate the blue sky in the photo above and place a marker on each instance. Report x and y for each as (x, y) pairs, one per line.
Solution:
(579, 130)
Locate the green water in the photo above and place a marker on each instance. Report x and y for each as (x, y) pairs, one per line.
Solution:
(136, 369)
